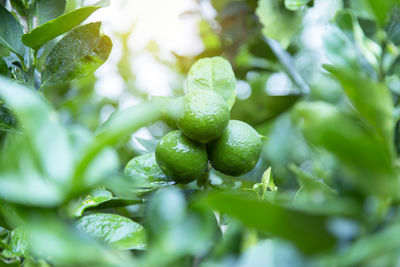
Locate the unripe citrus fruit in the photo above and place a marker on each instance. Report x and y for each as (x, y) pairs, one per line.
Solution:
(181, 158)
(204, 115)
(237, 151)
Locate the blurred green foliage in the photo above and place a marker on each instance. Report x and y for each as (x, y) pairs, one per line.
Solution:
(319, 79)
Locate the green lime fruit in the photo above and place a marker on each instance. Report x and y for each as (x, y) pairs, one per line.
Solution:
(237, 151)
(204, 115)
(180, 158)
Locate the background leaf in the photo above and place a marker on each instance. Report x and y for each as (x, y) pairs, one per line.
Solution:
(380, 9)
(51, 29)
(42, 129)
(19, 5)
(115, 230)
(278, 23)
(308, 232)
(10, 32)
(145, 170)
(18, 244)
(320, 123)
(260, 107)
(371, 99)
(48, 9)
(295, 5)
(120, 125)
(213, 74)
(93, 199)
(76, 55)
(3, 67)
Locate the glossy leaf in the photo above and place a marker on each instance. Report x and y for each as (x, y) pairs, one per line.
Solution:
(278, 23)
(42, 129)
(380, 9)
(295, 5)
(365, 248)
(3, 67)
(213, 74)
(70, 247)
(10, 32)
(266, 189)
(62, 24)
(46, 10)
(95, 198)
(340, 50)
(308, 232)
(175, 229)
(19, 5)
(76, 55)
(311, 189)
(29, 188)
(367, 50)
(148, 144)
(18, 246)
(146, 171)
(115, 230)
(371, 99)
(320, 125)
(120, 125)
(260, 107)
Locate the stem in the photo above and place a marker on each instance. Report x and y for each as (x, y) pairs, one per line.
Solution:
(287, 62)
(382, 74)
(31, 64)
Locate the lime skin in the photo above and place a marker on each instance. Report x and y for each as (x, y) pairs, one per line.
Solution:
(237, 151)
(180, 158)
(204, 115)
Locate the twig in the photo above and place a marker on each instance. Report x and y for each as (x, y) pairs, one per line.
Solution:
(287, 62)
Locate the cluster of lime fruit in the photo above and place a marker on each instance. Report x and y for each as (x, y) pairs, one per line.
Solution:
(206, 134)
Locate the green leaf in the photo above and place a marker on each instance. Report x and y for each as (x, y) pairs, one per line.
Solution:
(344, 136)
(213, 74)
(18, 244)
(10, 32)
(294, 5)
(367, 50)
(120, 125)
(115, 230)
(48, 9)
(340, 50)
(278, 23)
(145, 169)
(95, 198)
(307, 232)
(62, 24)
(42, 129)
(148, 144)
(55, 239)
(29, 188)
(311, 189)
(3, 67)
(372, 100)
(392, 28)
(267, 184)
(175, 229)
(371, 246)
(260, 107)
(76, 55)
(380, 9)
(19, 5)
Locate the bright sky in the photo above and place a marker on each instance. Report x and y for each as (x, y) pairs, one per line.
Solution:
(162, 21)
(157, 20)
